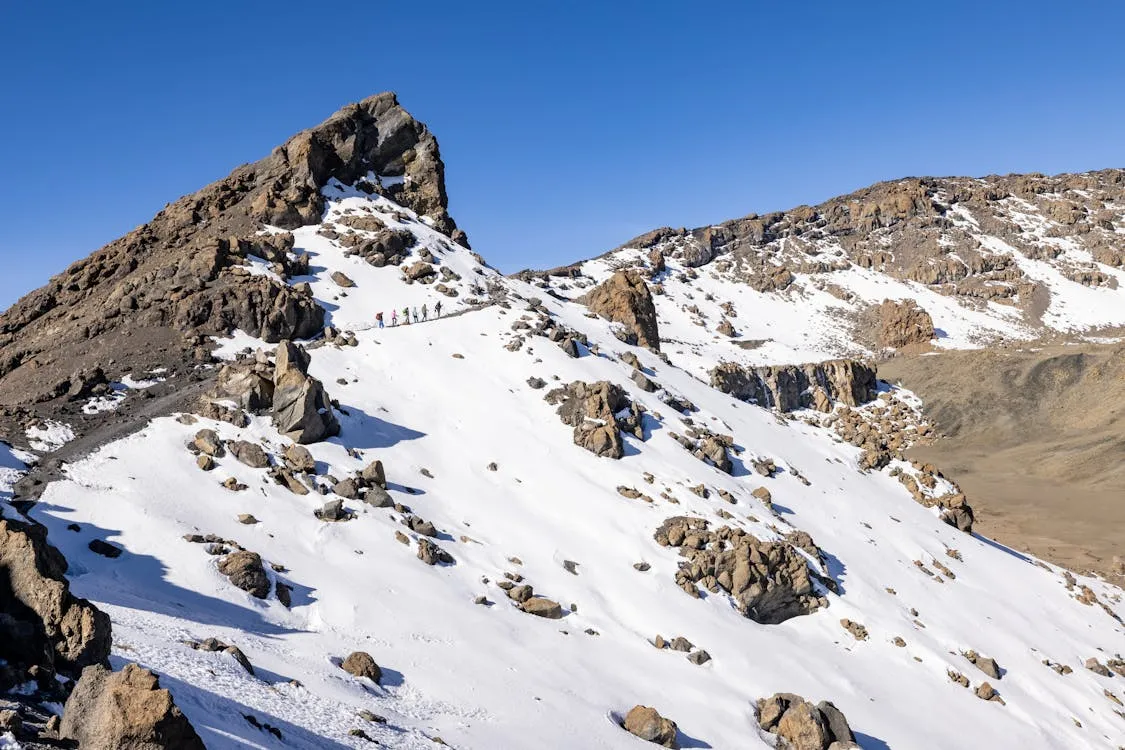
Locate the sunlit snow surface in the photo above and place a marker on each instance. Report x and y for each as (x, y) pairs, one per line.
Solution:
(492, 677)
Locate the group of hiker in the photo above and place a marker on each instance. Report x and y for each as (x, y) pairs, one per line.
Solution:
(408, 314)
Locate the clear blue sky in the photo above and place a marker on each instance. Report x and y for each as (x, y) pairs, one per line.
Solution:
(566, 128)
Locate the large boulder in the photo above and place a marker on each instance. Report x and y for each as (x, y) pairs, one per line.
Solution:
(800, 725)
(126, 710)
(41, 622)
(361, 664)
(903, 323)
(245, 570)
(649, 725)
(301, 408)
(625, 298)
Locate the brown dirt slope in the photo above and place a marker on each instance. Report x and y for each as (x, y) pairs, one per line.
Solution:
(1036, 437)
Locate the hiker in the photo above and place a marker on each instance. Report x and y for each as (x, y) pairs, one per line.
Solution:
(415, 312)
(379, 319)
(394, 317)
(425, 315)
(406, 315)
(437, 309)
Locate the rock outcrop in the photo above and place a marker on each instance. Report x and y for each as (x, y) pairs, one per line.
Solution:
(126, 710)
(903, 323)
(152, 297)
(625, 298)
(800, 725)
(769, 582)
(41, 623)
(301, 408)
(818, 385)
(598, 412)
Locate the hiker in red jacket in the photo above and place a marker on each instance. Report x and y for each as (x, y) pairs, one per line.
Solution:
(379, 319)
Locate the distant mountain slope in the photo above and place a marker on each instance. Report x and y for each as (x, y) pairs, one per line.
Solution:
(989, 259)
(512, 522)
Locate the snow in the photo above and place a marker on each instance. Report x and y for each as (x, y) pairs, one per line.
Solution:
(49, 436)
(494, 677)
(8, 742)
(12, 467)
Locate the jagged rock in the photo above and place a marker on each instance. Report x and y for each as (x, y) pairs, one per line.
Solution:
(597, 413)
(984, 664)
(209, 443)
(770, 582)
(126, 710)
(245, 570)
(347, 488)
(378, 497)
(649, 725)
(1097, 667)
(360, 664)
(790, 387)
(903, 323)
(419, 271)
(39, 618)
(375, 474)
(248, 384)
(726, 329)
(801, 725)
(299, 460)
(205, 462)
(301, 408)
(251, 454)
(625, 298)
(431, 554)
(332, 511)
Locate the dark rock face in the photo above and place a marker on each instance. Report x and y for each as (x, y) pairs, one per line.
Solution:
(41, 622)
(126, 710)
(148, 297)
(770, 582)
(626, 299)
(819, 385)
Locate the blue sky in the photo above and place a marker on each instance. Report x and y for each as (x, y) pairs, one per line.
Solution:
(566, 128)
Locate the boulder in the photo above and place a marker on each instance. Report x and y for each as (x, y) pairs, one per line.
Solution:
(342, 280)
(803, 726)
(598, 412)
(126, 710)
(903, 323)
(209, 443)
(299, 460)
(248, 384)
(245, 570)
(251, 454)
(41, 622)
(361, 664)
(543, 607)
(649, 725)
(374, 474)
(625, 298)
(301, 408)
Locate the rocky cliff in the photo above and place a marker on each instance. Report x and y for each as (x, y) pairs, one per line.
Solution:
(152, 297)
(817, 385)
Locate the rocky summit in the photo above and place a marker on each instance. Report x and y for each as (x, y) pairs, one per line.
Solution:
(292, 466)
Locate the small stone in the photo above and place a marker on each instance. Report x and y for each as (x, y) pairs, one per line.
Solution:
(205, 462)
(699, 657)
(247, 519)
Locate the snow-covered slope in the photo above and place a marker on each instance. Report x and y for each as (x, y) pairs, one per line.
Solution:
(440, 403)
